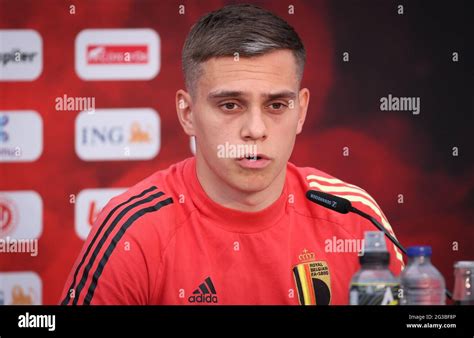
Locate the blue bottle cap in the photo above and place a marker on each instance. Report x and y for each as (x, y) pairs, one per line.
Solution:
(419, 250)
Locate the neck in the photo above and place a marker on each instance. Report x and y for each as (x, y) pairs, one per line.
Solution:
(230, 197)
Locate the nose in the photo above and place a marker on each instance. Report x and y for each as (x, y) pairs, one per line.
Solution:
(254, 127)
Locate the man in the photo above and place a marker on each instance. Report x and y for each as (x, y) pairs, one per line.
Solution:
(230, 226)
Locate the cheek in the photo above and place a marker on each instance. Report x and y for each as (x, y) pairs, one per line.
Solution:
(211, 131)
(205, 122)
(283, 134)
(285, 128)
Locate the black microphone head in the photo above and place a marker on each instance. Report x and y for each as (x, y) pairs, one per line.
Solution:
(329, 201)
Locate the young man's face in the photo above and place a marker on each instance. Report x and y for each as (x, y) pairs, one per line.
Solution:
(247, 101)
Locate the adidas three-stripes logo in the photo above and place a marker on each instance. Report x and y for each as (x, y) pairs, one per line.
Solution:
(112, 229)
(205, 293)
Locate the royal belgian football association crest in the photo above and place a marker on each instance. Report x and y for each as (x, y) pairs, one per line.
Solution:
(312, 279)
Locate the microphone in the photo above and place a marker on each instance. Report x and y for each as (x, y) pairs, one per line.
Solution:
(344, 206)
(329, 201)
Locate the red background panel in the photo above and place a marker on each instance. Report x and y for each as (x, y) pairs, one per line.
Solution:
(391, 153)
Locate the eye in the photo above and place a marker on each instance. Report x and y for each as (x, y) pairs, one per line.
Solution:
(229, 106)
(277, 106)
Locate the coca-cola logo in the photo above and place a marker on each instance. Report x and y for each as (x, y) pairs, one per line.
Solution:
(114, 54)
(117, 54)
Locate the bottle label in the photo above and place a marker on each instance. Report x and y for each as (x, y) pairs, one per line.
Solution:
(374, 294)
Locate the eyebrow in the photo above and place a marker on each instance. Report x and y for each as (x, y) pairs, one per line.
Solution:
(236, 93)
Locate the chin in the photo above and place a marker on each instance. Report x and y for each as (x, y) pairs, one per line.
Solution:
(251, 184)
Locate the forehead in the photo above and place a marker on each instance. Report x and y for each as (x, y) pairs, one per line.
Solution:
(269, 72)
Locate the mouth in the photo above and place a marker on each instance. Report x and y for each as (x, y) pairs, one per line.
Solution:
(258, 161)
(254, 157)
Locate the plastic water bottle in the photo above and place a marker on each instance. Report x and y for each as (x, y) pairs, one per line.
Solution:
(374, 283)
(464, 283)
(420, 282)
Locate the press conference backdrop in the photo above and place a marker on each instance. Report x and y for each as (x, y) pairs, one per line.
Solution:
(391, 110)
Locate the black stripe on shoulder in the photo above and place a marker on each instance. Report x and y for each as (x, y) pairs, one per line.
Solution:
(91, 244)
(104, 238)
(115, 240)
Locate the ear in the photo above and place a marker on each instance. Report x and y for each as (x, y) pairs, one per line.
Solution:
(184, 106)
(302, 109)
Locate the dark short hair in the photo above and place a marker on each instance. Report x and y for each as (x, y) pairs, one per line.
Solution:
(244, 29)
